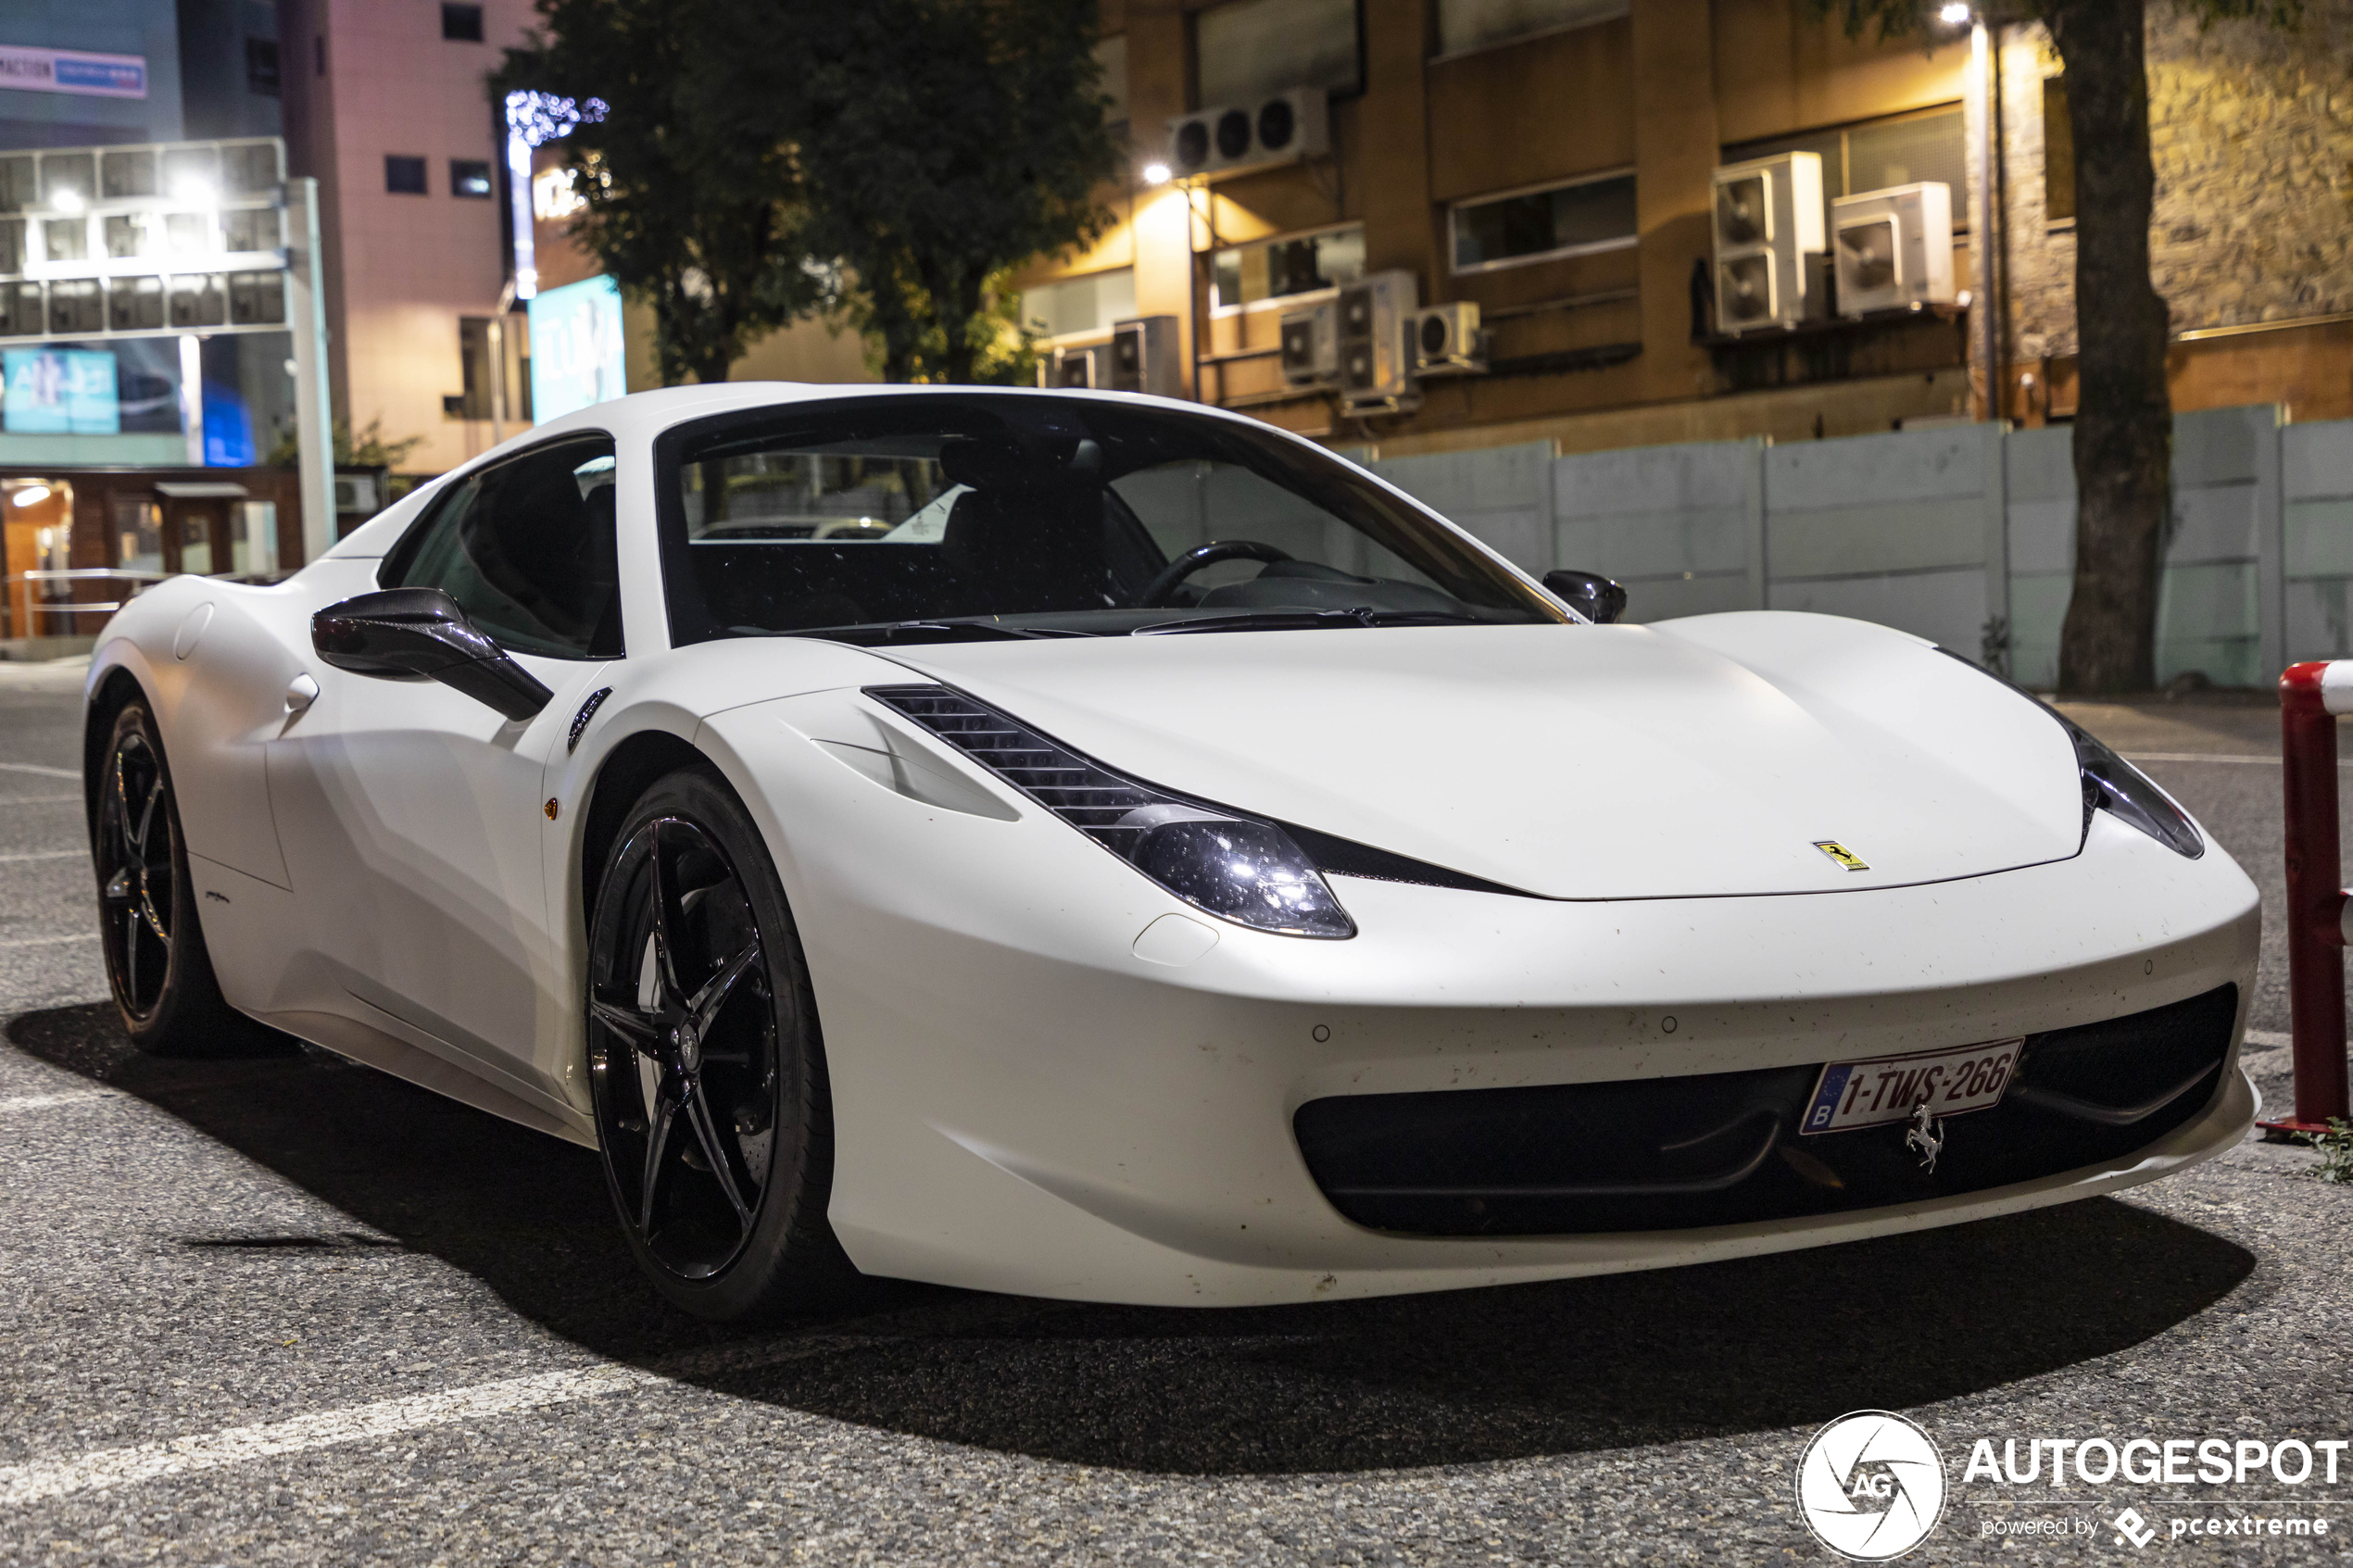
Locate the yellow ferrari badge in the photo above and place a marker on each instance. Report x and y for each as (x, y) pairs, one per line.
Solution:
(1841, 854)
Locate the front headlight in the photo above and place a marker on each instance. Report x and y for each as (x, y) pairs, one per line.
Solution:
(2113, 784)
(1238, 867)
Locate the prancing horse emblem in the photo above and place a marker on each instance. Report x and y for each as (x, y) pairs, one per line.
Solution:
(1841, 854)
(1926, 1135)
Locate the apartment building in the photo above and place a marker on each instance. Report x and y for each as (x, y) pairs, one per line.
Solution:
(387, 105)
(1553, 163)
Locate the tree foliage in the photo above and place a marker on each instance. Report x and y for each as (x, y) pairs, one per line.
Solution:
(952, 141)
(695, 202)
(2123, 437)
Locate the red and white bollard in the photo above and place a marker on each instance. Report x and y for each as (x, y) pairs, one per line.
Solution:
(2311, 695)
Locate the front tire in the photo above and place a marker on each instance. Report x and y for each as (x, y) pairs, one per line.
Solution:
(156, 965)
(705, 1062)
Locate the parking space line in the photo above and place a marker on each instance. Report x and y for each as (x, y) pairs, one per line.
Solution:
(47, 854)
(43, 1480)
(49, 941)
(43, 1102)
(37, 768)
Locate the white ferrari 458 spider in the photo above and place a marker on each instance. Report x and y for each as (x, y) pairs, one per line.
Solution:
(1103, 847)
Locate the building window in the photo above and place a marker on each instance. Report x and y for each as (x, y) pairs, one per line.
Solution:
(1246, 50)
(1464, 25)
(1929, 147)
(1281, 272)
(2058, 151)
(1076, 306)
(470, 177)
(404, 176)
(1576, 219)
(461, 24)
(474, 365)
(1110, 56)
(261, 67)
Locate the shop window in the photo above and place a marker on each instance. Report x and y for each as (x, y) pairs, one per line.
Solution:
(1075, 307)
(1251, 49)
(404, 176)
(1464, 25)
(470, 177)
(2059, 153)
(461, 24)
(1281, 272)
(1579, 218)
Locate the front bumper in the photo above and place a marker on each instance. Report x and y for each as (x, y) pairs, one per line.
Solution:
(1023, 1103)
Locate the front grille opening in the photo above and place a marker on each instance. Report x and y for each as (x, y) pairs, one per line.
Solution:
(1723, 1147)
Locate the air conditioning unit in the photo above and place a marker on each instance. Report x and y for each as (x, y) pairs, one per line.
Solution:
(1283, 129)
(1447, 340)
(1081, 368)
(1311, 346)
(1894, 247)
(1376, 346)
(1143, 358)
(1767, 220)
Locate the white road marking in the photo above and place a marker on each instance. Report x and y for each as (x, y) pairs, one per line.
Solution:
(37, 768)
(49, 941)
(2269, 1038)
(43, 1102)
(44, 854)
(38, 1482)
(45, 1479)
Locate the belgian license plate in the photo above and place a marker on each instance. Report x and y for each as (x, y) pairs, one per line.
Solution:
(1880, 1089)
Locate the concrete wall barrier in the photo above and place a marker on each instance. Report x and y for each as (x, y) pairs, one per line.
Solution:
(1963, 533)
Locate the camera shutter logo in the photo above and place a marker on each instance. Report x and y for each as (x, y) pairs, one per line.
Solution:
(1871, 1485)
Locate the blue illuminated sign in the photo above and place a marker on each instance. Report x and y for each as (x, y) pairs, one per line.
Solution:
(58, 392)
(577, 357)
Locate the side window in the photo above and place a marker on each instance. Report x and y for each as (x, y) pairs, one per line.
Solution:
(527, 549)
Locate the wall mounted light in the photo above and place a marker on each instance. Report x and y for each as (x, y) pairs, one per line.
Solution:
(30, 496)
(1955, 13)
(1155, 174)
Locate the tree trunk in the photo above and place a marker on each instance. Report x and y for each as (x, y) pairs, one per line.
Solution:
(2124, 419)
(959, 304)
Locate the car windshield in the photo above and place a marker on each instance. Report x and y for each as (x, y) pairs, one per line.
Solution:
(943, 517)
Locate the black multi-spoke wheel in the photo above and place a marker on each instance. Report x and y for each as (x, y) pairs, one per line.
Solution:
(704, 1060)
(156, 959)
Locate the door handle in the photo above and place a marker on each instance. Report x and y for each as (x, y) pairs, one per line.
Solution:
(301, 692)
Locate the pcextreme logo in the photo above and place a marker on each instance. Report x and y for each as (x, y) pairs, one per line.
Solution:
(1871, 1485)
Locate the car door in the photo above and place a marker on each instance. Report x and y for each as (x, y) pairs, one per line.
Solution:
(409, 813)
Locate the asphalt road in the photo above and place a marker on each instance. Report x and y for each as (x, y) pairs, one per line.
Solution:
(284, 1309)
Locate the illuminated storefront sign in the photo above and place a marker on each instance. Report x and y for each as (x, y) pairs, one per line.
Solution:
(576, 351)
(59, 392)
(71, 71)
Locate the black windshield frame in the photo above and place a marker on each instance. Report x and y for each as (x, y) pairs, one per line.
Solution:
(1453, 562)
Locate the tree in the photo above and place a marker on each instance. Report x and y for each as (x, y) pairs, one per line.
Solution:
(694, 196)
(370, 449)
(2123, 433)
(950, 141)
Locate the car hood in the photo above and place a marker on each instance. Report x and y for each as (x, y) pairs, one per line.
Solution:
(1706, 756)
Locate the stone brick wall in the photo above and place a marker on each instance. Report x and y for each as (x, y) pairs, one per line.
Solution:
(2252, 134)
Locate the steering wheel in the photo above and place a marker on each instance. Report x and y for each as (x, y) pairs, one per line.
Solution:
(1200, 555)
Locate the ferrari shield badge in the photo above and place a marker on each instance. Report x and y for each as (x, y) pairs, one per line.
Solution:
(1841, 854)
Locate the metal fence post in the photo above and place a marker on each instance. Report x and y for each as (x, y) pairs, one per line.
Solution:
(2311, 695)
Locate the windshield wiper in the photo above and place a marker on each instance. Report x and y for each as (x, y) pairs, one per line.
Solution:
(951, 628)
(1307, 619)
